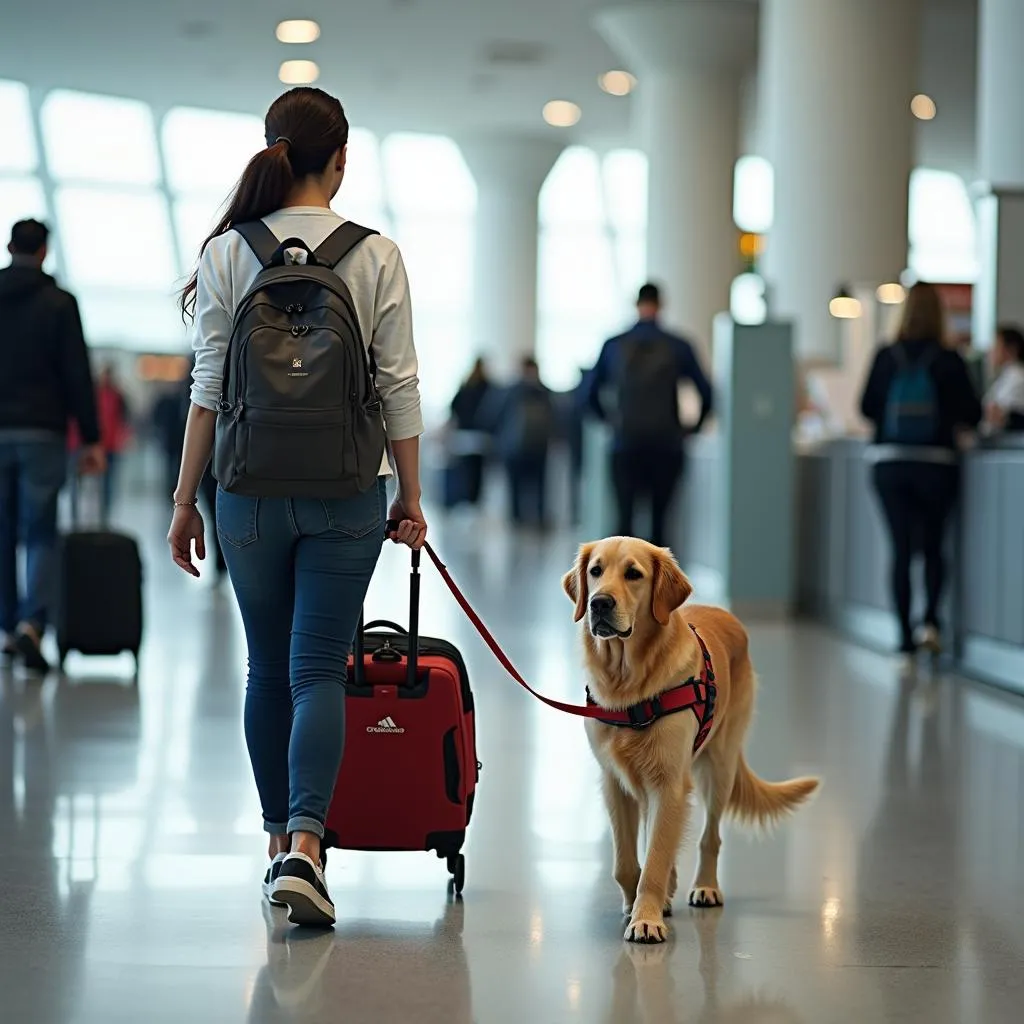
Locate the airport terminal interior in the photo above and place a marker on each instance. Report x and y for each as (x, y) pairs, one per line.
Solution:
(784, 171)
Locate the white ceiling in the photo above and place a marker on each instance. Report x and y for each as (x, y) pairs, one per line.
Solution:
(421, 64)
(413, 64)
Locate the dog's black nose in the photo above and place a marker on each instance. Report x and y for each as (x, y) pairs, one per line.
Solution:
(602, 604)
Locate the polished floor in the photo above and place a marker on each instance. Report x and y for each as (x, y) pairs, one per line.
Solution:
(132, 852)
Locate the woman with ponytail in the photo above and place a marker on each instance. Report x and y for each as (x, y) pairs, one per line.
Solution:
(300, 566)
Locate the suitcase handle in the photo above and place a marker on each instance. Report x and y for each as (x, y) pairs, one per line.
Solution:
(413, 633)
(386, 624)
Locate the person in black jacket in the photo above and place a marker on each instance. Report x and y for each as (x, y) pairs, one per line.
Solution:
(45, 381)
(467, 468)
(918, 395)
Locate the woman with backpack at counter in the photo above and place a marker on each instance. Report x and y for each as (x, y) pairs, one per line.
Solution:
(918, 395)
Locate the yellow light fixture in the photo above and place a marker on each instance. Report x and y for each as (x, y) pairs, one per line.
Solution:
(891, 294)
(844, 307)
(923, 107)
(617, 83)
(298, 30)
(751, 245)
(562, 113)
(299, 72)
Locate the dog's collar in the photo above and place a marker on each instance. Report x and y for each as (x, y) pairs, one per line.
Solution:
(697, 694)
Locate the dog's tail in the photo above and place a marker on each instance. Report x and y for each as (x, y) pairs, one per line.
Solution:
(756, 802)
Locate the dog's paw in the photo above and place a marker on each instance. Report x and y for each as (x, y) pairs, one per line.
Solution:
(667, 910)
(647, 931)
(705, 896)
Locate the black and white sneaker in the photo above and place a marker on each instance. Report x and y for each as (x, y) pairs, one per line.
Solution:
(300, 886)
(271, 877)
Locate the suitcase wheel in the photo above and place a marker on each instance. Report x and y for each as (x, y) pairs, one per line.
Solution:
(457, 869)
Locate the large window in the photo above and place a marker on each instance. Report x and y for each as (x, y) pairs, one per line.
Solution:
(205, 152)
(21, 193)
(593, 224)
(432, 200)
(943, 243)
(113, 219)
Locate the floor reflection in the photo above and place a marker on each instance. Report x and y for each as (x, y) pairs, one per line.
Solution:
(365, 971)
(131, 835)
(648, 986)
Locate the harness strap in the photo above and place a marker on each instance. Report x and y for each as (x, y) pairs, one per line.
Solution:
(702, 690)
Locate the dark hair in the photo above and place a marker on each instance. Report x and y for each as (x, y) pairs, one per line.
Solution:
(924, 316)
(1013, 339)
(304, 127)
(28, 237)
(649, 294)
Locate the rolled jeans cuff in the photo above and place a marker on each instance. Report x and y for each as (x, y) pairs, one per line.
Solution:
(275, 828)
(301, 823)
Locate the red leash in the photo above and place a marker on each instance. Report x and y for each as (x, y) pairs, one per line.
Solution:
(583, 710)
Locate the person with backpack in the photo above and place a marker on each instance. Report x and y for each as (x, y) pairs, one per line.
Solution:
(635, 386)
(523, 420)
(918, 395)
(305, 379)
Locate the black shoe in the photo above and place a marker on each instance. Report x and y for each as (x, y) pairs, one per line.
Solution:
(28, 648)
(300, 886)
(270, 879)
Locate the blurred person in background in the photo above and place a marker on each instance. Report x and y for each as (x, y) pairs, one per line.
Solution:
(572, 406)
(45, 381)
(465, 473)
(115, 433)
(299, 566)
(168, 419)
(523, 420)
(1004, 400)
(643, 370)
(918, 396)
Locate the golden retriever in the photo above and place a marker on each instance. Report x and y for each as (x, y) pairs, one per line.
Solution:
(637, 644)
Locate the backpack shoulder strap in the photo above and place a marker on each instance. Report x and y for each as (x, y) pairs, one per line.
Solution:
(340, 242)
(260, 239)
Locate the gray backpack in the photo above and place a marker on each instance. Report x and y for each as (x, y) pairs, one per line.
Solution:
(299, 416)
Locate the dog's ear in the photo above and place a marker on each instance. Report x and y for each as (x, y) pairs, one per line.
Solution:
(669, 589)
(574, 582)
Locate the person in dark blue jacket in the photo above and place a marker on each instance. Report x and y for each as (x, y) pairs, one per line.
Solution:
(635, 386)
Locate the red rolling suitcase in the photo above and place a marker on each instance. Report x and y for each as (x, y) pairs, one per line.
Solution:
(409, 772)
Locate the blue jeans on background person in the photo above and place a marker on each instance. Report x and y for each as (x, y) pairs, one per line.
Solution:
(32, 472)
(300, 568)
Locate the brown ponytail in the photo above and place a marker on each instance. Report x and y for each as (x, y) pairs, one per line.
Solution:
(305, 127)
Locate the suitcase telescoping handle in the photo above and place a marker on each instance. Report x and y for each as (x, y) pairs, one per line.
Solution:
(359, 647)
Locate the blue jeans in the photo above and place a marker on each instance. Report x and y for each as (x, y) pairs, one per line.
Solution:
(32, 472)
(300, 568)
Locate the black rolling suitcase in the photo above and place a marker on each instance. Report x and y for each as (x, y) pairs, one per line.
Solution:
(100, 605)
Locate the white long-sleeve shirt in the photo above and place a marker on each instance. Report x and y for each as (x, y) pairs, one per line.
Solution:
(375, 275)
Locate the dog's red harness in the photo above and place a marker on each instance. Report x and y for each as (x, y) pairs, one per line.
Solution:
(697, 694)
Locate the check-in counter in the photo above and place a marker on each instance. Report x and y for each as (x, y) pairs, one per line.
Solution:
(843, 555)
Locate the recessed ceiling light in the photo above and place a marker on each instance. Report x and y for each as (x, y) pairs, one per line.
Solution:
(562, 113)
(299, 30)
(617, 83)
(923, 107)
(299, 72)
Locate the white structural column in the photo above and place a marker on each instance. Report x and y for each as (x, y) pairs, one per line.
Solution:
(1000, 295)
(689, 57)
(509, 172)
(837, 78)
